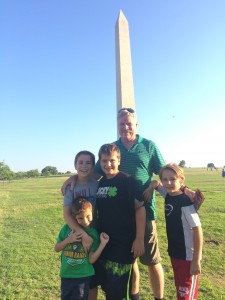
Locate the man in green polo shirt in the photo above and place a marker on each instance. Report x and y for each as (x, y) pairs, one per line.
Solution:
(141, 158)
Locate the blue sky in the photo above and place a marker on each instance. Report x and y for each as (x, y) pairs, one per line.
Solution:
(58, 82)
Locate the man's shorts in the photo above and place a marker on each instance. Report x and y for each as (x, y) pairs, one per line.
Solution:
(152, 254)
(114, 278)
(186, 284)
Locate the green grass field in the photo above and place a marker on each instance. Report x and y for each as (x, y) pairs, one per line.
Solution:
(31, 216)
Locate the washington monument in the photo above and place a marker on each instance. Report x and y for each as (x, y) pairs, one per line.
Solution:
(124, 76)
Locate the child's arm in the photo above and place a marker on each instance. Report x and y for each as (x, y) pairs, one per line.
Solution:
(93, 256)
(73, 237)
(195, 268)
(72, 180)
(154, 185)
(138, 247)
(72, 223)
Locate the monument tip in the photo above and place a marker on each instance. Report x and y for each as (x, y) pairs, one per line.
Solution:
(121, 15)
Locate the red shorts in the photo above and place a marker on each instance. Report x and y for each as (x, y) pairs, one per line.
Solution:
(186, 284)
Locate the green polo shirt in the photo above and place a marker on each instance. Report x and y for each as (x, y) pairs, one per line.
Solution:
(140, 161)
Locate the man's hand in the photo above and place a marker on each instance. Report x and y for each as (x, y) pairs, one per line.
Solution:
(70, 181)
(188, 192)
(138, 248)
(148, 193)
(196, 197)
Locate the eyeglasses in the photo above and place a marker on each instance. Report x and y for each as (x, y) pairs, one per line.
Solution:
(130, 110)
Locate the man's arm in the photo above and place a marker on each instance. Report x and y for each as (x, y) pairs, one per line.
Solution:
(148, 193)
(197, 255)
(138, 247)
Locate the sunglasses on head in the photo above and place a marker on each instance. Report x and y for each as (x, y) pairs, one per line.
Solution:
(130, 110)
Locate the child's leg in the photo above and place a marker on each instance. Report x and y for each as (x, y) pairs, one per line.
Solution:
(93, 294)
(75, 288)
(186, 285)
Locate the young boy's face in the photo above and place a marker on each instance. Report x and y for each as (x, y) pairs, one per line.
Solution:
(110, 164)
(171, 182)
(84, 219)
(84, 165)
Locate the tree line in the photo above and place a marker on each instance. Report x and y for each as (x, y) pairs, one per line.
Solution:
(7, 174)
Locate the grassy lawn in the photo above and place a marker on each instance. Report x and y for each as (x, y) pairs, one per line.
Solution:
(31, 216)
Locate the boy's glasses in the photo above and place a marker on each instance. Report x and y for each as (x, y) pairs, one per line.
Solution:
(125, 109)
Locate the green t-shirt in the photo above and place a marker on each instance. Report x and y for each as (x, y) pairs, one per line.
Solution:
(75, 262)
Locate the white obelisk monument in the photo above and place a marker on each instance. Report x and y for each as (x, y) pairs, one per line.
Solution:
(124, 76)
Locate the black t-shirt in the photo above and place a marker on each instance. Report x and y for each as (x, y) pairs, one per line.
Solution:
(116, 215)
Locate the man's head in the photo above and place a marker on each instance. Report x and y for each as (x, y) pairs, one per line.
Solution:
(109, 158)
(127, 124)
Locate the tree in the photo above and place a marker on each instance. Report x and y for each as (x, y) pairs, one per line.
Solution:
(49, 170)
(5, 172)
(33, 173)
(182, 163)
(20, 175)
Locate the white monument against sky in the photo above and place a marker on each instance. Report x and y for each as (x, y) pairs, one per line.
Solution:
(124, 76)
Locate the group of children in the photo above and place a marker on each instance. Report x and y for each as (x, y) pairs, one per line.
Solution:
(105, 224)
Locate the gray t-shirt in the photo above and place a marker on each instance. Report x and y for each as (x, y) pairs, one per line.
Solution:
(87, 190)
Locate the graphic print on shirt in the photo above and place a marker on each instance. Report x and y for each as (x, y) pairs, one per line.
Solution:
(104, 192)
(168, 209)
(85, 192)
(75, 254)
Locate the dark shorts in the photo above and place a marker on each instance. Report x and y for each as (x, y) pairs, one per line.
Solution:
(152, 254)
(75, 288)
(114, 279)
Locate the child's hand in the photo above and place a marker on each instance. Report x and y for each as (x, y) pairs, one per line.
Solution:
(74, 237)
(195, 268)
(104, 238)
(138, 248)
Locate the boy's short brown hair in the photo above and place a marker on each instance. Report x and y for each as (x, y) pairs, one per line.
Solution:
(174, 168)
(80, 204)
(108, 149)
(85, 152)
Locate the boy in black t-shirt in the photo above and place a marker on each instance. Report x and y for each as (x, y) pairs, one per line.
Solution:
(121, 214)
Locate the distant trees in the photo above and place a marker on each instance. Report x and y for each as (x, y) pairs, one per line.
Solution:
(182, 163)
(33, 173)
(5, 172)
(49, 170)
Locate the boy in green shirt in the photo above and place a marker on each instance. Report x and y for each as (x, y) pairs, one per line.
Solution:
(76, 265)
